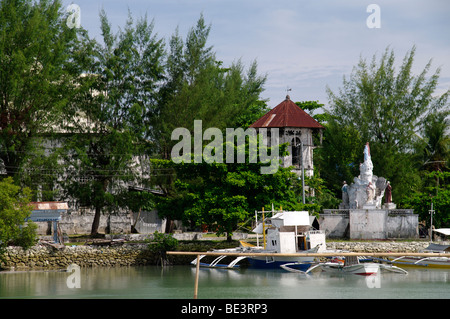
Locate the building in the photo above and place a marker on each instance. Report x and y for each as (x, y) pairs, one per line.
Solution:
(296, 128)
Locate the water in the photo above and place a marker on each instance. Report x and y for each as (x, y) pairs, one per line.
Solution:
(177, 282)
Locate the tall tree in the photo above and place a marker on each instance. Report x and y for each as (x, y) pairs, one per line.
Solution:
(108, 121)
(387, 108)
(198, 87)
(436, 151)
(36, 82)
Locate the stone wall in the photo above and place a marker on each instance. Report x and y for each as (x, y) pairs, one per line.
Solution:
(46, 257)
(335, 225)
(79, 222)
(43, 256)
(379, 246)
(361, 224)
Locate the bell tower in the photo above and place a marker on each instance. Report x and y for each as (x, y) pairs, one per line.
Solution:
(296, 128)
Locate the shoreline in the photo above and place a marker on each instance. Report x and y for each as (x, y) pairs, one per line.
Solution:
(45, 257)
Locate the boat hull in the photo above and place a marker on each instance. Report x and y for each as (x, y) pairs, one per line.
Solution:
(433, 262)
(301, 263)
(364, 269)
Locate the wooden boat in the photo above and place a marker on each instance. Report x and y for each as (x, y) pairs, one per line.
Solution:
(288, 232)
(285, 232)
(431, 262)
(218, 261)
(351, 265)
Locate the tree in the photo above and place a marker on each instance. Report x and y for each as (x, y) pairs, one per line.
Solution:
(434, 193)
(107, 123)
(338, 158)
(14, 209)
(198, 87)
(386, 108)
(222, 195)
(436, 149)
(36, 82)
(432, 157)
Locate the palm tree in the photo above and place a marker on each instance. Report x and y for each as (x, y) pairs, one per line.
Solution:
(436, 133)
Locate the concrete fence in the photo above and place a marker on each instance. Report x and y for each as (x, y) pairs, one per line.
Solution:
(369, 223)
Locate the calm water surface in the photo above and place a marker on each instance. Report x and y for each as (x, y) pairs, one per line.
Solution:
(178, 282)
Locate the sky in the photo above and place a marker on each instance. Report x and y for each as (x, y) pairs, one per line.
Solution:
(304, 46)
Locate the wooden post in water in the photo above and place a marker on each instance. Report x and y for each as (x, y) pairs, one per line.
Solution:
(263, 229)
(196, 277)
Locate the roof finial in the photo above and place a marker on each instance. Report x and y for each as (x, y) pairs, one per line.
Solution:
(287, 95)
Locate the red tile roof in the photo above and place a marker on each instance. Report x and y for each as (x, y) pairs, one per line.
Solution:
(287, 114)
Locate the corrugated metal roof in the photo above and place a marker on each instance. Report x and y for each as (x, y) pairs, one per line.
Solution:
(287, 114)
(49, 205)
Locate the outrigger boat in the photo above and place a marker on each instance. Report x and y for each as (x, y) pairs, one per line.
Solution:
(285, 232)
(432, 262)
(351, 265)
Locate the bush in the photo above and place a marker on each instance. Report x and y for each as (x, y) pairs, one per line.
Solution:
(27, 236)
(14, 209)
(162, 242)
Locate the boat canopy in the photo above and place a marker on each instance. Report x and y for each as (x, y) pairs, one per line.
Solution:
(287, 218)
(438, 247)
(294, 218)
(444, 231)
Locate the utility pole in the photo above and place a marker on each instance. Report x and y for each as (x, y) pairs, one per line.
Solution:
(303, 173)
(431, 212)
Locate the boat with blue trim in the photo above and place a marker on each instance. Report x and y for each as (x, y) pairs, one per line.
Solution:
(285, 232)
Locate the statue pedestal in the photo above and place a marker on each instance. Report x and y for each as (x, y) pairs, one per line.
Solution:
(369, 206)
(368, 224)
(390, 206)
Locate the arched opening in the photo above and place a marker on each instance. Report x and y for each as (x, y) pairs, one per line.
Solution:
(296, 152)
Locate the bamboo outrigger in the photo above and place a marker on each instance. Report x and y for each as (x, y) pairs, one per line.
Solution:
(326, 254)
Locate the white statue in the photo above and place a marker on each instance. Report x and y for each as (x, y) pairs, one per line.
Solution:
(345, 202)
(367, 190)
(370, 190)
(366, 168)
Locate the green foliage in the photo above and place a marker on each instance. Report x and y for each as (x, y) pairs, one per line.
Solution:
(312, 107)
(436, 191)
(161, 243)
(14, 209)
(388, 108)
(102, 102)
(36, 83)
(222, 195)
(433, 150)
(339, 157)
(115, 102)
(198, 87)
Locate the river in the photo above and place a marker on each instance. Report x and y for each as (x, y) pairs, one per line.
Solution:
(177, 282)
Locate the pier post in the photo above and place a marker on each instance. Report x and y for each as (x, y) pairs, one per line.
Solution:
(196, 277)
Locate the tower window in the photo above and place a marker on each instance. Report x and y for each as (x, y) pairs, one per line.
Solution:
(296, 152)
